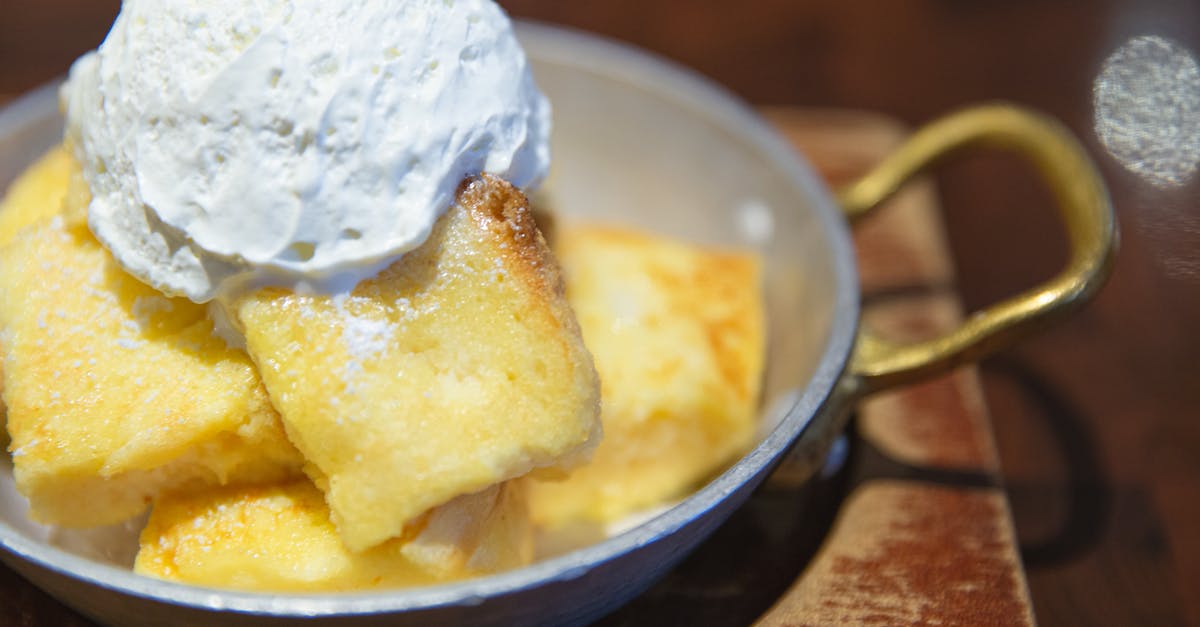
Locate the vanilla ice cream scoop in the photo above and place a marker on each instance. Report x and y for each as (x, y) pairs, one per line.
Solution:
(236, 142)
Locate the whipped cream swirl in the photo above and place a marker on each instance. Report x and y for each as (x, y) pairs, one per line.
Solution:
(230, 143)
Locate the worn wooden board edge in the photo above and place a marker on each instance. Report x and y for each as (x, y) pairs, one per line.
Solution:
(908, 550)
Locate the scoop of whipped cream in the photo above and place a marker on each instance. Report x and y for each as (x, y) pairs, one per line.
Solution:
(236, 142)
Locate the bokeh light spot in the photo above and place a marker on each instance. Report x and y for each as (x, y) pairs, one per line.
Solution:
(1147, 109)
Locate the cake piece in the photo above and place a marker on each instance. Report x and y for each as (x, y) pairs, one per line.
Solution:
(458, 367)
(279, 539)
(37, 193)
(677, 333)
(116, 393)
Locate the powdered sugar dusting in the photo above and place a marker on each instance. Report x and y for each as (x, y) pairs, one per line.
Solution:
(363, 336)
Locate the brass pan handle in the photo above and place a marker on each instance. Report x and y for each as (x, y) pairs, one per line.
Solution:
(1083, 205)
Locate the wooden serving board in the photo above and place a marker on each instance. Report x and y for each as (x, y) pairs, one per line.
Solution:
(924, 535)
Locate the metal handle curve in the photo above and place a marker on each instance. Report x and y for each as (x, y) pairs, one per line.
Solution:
(1083, 205)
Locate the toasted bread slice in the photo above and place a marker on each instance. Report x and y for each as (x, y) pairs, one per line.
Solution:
(116, 393)
(279, 539)
(677, 332)
(458, 367)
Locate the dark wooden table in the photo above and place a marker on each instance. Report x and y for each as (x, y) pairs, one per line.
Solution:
(1095, 420)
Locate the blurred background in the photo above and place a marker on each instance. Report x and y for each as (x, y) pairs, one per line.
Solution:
(1096, 420)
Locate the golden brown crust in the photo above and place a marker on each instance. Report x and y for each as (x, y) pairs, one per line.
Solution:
(504, 211)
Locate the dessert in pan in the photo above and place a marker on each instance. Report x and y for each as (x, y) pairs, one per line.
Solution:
(282, 286)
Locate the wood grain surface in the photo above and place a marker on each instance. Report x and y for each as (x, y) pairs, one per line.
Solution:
(1095, 420)
(924, 535)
